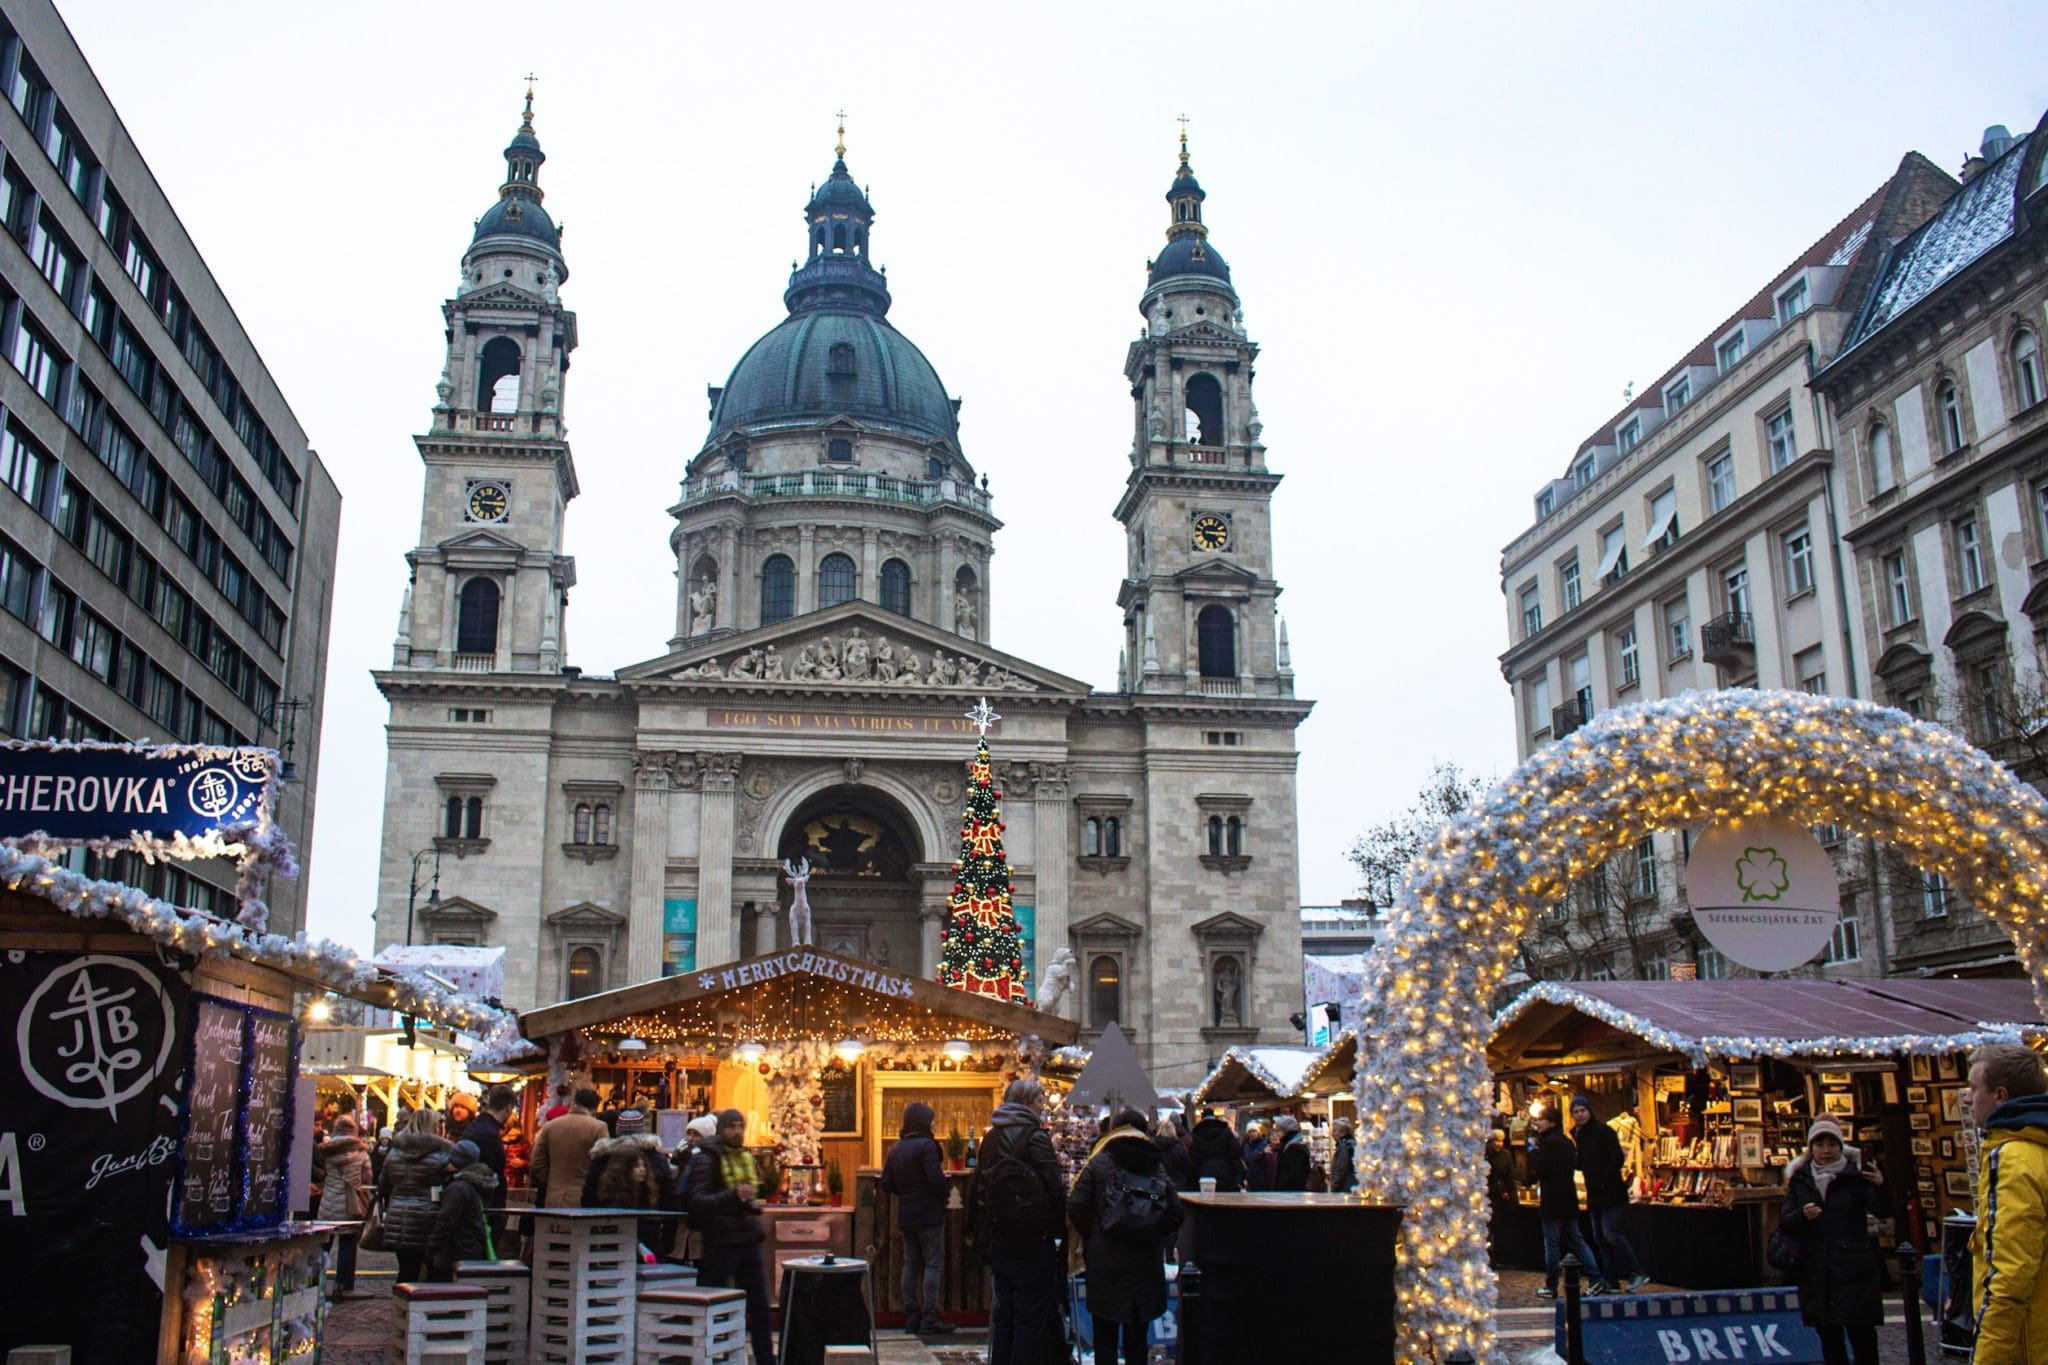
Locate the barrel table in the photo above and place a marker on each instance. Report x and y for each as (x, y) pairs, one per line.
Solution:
(824, 1303)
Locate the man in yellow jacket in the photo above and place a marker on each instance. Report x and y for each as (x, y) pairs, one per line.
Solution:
(2009, 1249)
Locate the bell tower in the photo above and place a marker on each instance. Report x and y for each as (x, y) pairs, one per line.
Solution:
(1199, 598)
(489, 587)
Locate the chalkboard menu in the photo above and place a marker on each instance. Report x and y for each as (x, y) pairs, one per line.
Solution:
(842, 1102)
(237, 1119)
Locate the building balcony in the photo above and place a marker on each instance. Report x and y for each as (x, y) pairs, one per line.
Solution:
(1219, 687)
(474, 663)
(1729, 641)
(839, 483)
(1569, 717)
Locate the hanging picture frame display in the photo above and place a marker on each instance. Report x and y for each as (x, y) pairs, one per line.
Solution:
(1745, 1076)
(1916, 1094)
(1958, 1183)
(1921, 1122)
(1889, 1083)
(1749, 1109)
(1923, 1146)
(1837, 1078)
(1948, 1149)
(1952, 1105)
(1922, 1067)
(1839, 1103)
(1749, 1147)
(1945, 1067)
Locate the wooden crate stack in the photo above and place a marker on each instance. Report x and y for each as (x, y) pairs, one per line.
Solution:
(440, 1324)
(693, 1327)
(509, 1285)
(584, 1289)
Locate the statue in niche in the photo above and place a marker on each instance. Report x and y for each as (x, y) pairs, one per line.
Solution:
(703, 606)
(965, 619)
(1229, 994)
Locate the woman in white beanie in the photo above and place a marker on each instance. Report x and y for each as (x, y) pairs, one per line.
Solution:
(1830, 1198)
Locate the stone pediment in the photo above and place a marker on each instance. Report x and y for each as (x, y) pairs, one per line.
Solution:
(502, 295)
(457, 909)
(586, 915)
(856, 645)
(1214, 570)
(481, 540)
(1206, 331)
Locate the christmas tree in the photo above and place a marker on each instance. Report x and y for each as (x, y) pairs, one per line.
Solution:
(981, 947)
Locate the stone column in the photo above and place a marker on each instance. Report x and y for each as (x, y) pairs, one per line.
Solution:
(1051, 865)
(931, 919)
(650, 866)
(718, 938)
(726, 615)
(949, 565)
(871, 565)
(764, 926)
(806, 569)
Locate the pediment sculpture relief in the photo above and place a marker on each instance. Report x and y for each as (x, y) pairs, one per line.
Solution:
(854, 656)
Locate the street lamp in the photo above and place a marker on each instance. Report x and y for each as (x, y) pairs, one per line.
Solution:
(283, 716)
(412, 889)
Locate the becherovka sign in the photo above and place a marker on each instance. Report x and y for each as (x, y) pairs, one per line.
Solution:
(1763, 891)
(116, 791)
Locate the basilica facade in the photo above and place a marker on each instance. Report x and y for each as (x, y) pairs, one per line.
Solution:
(834, 554)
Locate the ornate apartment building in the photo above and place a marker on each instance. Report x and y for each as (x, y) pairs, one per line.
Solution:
(834, 551)
(167, 538)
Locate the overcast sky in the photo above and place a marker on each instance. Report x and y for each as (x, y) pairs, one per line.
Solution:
(1458, 231)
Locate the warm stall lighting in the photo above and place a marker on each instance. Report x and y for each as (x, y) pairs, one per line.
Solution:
(957, 1048)
(750, 1053)
(849, 1049)
(630, 1043)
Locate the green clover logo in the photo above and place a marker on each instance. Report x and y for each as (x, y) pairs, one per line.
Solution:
(1761, 875)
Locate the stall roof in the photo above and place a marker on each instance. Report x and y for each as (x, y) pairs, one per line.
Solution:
(1114, 1075)
(795, 992)
(1252, 1075)
(1765, 1018)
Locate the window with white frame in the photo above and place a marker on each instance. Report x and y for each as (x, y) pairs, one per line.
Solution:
(1713, 966)
(1985, 681)
(1898, 589)
(1798, 550)
(1793, 300)
(1613, 553)
(1845, 944)
(2026, 369)
(1735, 589)
(1884, 477)
(1969, 556)
(1628, 663)
(1720, 481)
(1677, 395)
(1532, 609)
(1537, 689)
(1780, 438)
(1677, 630)
(1546, 503)
(1731, 351)
(1950, 403)
(1810, 667)
(1933, 896)
(1663, 532)
(1579, 672)
(1568, 583)
(1582, 471)
(1646, 868)
(1628, 434)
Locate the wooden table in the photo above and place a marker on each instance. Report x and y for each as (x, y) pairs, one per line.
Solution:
(1311, 1275)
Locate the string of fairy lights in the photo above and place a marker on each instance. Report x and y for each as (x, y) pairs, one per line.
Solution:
(1424, 1091)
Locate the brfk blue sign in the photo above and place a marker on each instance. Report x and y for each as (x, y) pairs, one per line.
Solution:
(94, 792)
(1761, 1326)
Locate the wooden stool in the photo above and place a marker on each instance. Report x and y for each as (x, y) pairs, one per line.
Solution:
(440, 1324)
(693, 1327)
(849, 1355)
(663, 1275)
(585, 1278)
(508, 1283)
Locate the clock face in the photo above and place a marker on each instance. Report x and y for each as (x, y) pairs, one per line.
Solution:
(487, 502)
(1211, 532)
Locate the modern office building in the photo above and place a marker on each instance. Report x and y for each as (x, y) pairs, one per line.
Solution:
(167, 538)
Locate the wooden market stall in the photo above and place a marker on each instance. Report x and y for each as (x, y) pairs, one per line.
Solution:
(1312, 1083)
(1711, 1086)
(821, 1053)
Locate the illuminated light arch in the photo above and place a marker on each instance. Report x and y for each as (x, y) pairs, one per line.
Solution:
(1424, 1092)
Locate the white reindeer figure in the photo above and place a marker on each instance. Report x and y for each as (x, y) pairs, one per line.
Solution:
(1059, 979)
(799, 903)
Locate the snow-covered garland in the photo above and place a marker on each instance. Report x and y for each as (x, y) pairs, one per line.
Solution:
(1248, 1058)
(1682, 762)
(1726, 1047)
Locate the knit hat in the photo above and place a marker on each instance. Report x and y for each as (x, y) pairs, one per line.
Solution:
(1824, 1127)
(728, 1117)
(1287, 1123)
(464, 1153)
(632, 1121)
(1581, 1102)
(705, 1126)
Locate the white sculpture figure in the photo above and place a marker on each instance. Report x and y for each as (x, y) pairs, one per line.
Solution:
(799, 903)
(1059, 979)
(703, 606)
(964, 617)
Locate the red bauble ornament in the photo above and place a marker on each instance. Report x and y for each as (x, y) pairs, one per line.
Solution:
(764, 1069)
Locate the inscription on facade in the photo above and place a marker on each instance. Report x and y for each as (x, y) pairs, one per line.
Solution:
(839, 722)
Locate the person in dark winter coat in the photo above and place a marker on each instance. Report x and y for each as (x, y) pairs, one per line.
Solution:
(417, 1165)
(1558, 1206)
(1259, 1158)
(1830, 1198)
(1343, 1159)
(914, 1172)
(1173, 1158)
(630, 1172)
(1126, 1278)
(460, 1230)
(1025, 1266)
(723, 1180)
(1291, 1171)
(1217, 1156)
(1606, 1173)
(487, 1131)
(345, 1163)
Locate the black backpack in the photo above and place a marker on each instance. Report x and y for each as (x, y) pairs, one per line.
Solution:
(1013, 1196)
(1134, 1205)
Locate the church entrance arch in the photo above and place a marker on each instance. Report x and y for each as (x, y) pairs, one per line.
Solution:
(1424, 1092)
(864, 891)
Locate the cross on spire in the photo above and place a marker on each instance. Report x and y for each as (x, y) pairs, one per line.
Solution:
(1183, 139)
(840, 149)
(530, 79)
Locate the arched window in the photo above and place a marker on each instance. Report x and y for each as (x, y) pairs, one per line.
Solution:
(1883, 477)
(838, 580)
(839, 236)
(451, 823)
(1112, 838)
(1951, 418)
(476, 618)
(778, 589)
(1105, 992)
(582, 823)
(1216, 641)
(1233, 836)
(1205, 410)
(586, 973)
(1216, 836)
(603, 828)
(473, 818)
(896, 587)
(1091, 838)
(497, 387)
(2026, 369)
